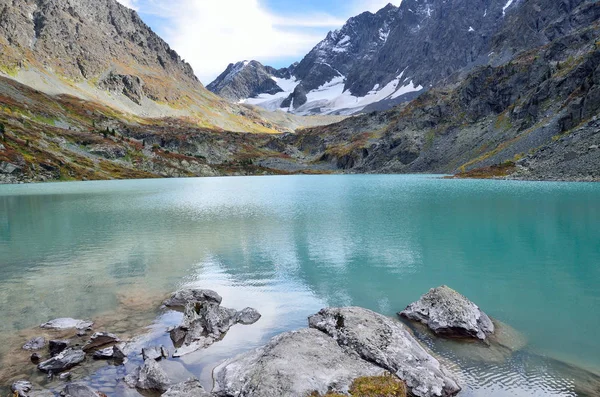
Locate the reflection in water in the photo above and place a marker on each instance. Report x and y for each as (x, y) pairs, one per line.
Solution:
(526, 252)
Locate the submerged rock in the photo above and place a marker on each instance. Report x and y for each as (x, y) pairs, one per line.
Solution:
(21, 388)
(35, 344)
(448, 313)
(387, 343)
(100, 339)
(63, 361)
(56, 346)
(181, 298)
(293, 364)
(67, 323)
(80, 390)
(189, 388)
(154, 353)
(248, 316)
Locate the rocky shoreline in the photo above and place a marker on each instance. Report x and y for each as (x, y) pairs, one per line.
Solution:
(342, 351)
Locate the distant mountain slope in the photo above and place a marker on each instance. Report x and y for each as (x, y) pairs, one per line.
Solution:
(101, 51)
(376, 61)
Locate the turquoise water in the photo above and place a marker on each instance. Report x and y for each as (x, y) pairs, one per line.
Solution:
(528, 253)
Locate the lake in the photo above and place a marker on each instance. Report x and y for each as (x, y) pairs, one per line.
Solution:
(528, 253)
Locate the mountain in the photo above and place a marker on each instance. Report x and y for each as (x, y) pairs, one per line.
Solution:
(103, 52)
(376, 61)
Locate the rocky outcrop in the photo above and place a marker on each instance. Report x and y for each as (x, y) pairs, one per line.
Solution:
(189, 388)
(292, 364)
(181, 298)
(387, 343)
(67, 323)
(63, 361)
(450, 314)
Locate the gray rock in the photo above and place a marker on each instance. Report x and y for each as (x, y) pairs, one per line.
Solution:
(67, 323)
(120, 352)
(100, 339)
(189, 388)
(62, 362)
(448, 313)
(247, 316)
(80, 390)
(56, 346)
(292, 364)
(35, 344)
(21, 388)
(387, 343)
(35, 358)
(155, 353)
(182, 297)
(65, 376)
(8, 168)
(104, 354)
(152, 377)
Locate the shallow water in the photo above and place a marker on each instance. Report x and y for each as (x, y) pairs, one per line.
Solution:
(527, 252)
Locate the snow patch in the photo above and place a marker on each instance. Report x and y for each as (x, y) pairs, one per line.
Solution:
(508, 4)
(471, 29)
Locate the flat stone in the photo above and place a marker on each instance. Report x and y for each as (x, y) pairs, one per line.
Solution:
(104, 354)
(35, 344)
(248, 316)
(80, 390)
(450, 314)
(387, 343)
(56, 346)
(67, 323)
(181, 298)
(293, 364)
(21, 388)
(100, 339)
(63, 361)
(189, 388)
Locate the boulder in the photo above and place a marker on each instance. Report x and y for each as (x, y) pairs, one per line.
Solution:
(100, 339)
(189, 388)
(67, 323)
(35, 344)
(80, 390)
(63, 361)
(152, 377)
(450, 314)
(293, 364)
(56, 346)
(247, 316)
(387, 343)
(155, 353)
(21, 388)
(182, 297)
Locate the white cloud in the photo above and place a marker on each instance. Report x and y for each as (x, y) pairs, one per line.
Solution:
(210, 34)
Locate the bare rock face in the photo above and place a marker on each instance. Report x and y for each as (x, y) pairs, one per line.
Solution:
(292, 364)
(189, 388)
(62, 362)
(181, 298)
(387, 343)
(450, 314)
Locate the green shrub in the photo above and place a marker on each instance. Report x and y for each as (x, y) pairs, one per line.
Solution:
(373, 386)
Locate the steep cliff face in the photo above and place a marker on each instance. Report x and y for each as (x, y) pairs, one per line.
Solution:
(101, 51)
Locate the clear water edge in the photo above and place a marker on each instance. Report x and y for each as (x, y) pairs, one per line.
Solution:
(525, 252)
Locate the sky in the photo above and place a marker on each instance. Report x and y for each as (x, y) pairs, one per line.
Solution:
(210, 34)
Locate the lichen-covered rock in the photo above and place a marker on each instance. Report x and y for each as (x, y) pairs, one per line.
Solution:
(67, 323)
(292, 364)
(448, 313)
(181, 298)
(63, 361)
(189, 388)
(247, 316)
(35, 344)
(387, 343)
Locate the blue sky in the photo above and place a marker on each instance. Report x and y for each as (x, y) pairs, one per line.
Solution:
(212, 33)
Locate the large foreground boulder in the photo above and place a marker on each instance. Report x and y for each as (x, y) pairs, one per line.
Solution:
(387, 343)
(150, 377)
(450, 314)
(293, 364)
(179, 299)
